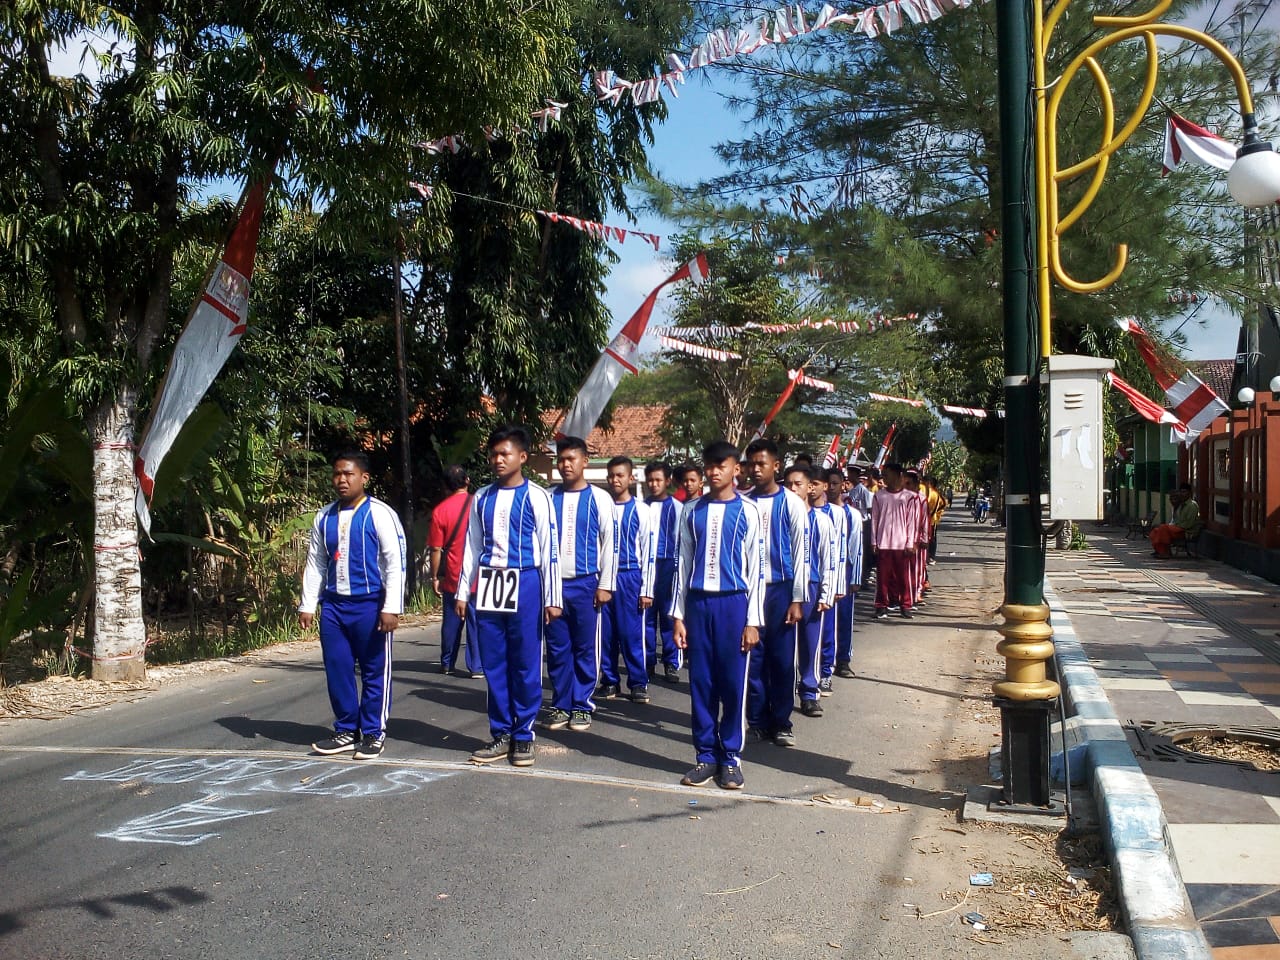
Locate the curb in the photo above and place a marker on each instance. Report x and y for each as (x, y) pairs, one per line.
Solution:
(1158, 913)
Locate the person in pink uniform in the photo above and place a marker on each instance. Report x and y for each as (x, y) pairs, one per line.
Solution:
(895, 531)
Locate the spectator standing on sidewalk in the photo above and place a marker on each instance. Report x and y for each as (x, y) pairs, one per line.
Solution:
(446, 541)
(895, 528)
(1184, 526)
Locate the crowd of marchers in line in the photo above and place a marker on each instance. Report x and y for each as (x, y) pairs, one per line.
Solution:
(738, 570)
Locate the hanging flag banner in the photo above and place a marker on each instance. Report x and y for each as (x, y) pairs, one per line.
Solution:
(602, 231)
(1146, 407)
(779, 403)
(769, 30)
(618, 358)
(825, 385)
(716, 331)
(883, 456)
(829, 458)
(1193, 401)
(707, 353)
(1185, 141)
(885, 398)
(214, 327)
(965, 411)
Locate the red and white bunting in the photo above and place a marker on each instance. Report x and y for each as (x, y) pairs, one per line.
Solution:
(801, 377)
(1194, 403)
(696, 350)
(217, 321)
(1146, 407)
(602, 231)
(827, 323)
(769, 30)
(965, 411)
(425, 190)
(885, 398)
(619, 357)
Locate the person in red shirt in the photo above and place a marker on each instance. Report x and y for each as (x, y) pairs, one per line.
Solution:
(446, 538)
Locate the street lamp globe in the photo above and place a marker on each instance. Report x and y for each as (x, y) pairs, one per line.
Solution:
(1245, 395)
(1254, 179)
(1275, 384)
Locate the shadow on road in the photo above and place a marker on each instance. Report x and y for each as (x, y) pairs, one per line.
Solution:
(164, 900)
(280, 731)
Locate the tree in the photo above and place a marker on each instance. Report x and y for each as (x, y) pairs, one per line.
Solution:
(100, 171)
(907, 128)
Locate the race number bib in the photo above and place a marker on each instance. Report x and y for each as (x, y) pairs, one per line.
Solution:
(498, 591)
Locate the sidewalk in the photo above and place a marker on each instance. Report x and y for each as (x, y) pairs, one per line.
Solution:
(1191, 645)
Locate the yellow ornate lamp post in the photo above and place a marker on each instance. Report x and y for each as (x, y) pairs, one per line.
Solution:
(1026, 694)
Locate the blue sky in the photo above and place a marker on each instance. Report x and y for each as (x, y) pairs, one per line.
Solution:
(683, 150)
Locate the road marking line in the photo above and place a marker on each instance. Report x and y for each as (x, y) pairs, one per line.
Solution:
(565, 776)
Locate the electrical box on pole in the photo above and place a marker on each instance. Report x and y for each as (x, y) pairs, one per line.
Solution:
(1076, 464)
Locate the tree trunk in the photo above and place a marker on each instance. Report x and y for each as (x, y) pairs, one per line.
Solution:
(119, 635)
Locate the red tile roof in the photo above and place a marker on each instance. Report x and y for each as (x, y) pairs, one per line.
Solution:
(1215, 373)
(633, 432)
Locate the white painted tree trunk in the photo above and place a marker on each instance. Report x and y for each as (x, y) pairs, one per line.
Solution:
(119, 635)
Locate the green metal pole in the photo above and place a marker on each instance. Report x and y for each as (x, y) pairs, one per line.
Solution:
(1025, 696)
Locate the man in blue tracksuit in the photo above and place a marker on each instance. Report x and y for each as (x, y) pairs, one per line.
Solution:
(355, 568)
(664, 528)
(718, 611)
(784, 522)
(584, 517)
(823, 554)
(622, 626)
(510, 562)
(852, 580)
(835, 513)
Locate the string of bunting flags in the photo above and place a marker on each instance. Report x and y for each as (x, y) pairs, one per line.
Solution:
(885, 398)
(971, 411)
(769, 30)
(799, 376)
(716, 331)
(707, 353)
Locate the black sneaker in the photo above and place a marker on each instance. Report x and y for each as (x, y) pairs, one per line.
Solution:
(370, 747)
(811, 708)
(340, 742)
(522, 753)
(557, 720)
(497, 749)
(844, 670)
(700, 775)
(671, 674)
(824, 687)
(607, 691)
(882, 613)
(446, 669)
(895, 607)
(640, 695)
(906, 613)
(580, 720)
(784, 738)
(730, 777)
(756, 735)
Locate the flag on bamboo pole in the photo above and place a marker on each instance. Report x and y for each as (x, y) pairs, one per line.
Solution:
(833, 451)
(214, 326)
(883, 456)
(1193, 401)
(857, 442)
(792, 377)
(618, 358)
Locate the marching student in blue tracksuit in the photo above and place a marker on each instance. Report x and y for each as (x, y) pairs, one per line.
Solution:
(510, 561)
(852, 581)
(622, 626)
(823, 569)
(784, 524)
(584, 517)
(718, 611)
(355, 567)
(835, 513)
(664, 530)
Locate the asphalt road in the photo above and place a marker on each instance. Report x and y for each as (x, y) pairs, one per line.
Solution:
(194, 823)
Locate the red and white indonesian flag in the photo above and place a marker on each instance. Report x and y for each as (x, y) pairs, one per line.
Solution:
(1184, 141)
(1193, 402)
(214, 327)
(1145, 406)
(883, 456)
(619, 357)
(833, 452)
(792, 377)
